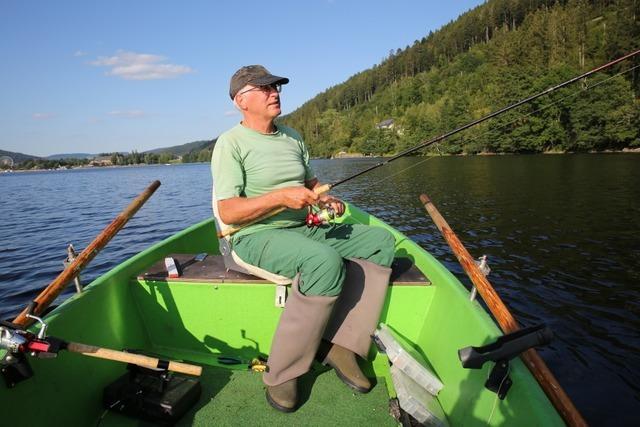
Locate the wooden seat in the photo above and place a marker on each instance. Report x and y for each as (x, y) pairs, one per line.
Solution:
(212, 270)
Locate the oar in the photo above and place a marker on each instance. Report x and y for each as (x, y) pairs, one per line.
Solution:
(136, 359)
(50, 293)
(505, 319)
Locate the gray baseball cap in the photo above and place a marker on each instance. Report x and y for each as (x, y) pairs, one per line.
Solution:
(255, 75)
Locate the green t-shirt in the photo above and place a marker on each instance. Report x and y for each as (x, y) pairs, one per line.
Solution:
(247, 163)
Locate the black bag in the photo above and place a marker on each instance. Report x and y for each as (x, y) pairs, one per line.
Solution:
(153, 395)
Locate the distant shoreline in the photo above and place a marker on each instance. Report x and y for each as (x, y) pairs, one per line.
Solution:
(98, 167)
(340, 156)
(346, 156)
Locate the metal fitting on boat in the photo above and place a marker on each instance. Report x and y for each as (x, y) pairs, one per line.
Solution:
(71, 256)
(484, 269)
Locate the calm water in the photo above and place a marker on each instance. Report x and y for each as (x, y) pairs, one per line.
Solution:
(561, 233)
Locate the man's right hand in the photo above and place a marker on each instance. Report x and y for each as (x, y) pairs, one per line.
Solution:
(297, 197)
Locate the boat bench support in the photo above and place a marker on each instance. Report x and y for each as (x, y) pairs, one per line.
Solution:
(212, 269)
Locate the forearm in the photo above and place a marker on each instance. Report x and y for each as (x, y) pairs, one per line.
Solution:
(240, 210)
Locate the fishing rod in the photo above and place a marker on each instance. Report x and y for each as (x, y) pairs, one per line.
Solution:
(326, 187)
(482, 119)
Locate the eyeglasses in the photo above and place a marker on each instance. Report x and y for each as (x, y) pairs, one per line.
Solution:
(266, 89)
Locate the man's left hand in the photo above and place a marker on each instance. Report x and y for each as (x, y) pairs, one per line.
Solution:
(329, 201)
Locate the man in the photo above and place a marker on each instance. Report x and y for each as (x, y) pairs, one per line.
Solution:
(259, 167)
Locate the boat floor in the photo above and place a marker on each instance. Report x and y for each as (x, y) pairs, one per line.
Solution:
(237, 397)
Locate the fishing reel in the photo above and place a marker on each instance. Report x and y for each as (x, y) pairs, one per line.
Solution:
(16, 340)
(14, 366)
(318, 217)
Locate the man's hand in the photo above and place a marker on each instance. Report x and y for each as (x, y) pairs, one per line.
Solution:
(329, 201)
(297, 197)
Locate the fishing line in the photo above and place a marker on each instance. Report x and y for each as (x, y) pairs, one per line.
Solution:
(427, 158)
(326, 187)
(482, 119)
(523, 116)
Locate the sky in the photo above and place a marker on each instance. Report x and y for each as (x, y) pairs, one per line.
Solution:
(101, 76)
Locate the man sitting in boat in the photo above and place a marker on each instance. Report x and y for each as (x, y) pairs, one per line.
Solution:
(259, 167)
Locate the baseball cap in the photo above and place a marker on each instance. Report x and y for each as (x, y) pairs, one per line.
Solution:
(255, 75)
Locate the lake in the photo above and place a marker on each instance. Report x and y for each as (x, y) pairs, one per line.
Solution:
(561, 232)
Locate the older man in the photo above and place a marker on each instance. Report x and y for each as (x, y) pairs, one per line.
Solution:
(259, 166)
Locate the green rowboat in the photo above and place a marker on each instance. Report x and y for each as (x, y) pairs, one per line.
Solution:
(203, 318)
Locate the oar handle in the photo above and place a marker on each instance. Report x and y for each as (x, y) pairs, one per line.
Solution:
(136, 359)
(321, 189)
(507, 322)
(54, 289)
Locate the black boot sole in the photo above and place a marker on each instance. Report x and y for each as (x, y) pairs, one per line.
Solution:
(349, 384)
(275, 405)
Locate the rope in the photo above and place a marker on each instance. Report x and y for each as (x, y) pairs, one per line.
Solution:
(495, 402)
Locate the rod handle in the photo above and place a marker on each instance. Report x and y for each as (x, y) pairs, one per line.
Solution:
(319, 190)
(136, 359)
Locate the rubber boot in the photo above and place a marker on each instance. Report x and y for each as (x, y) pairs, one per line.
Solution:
(284, 397)
(354, 319)
(344, 362)
(294, 345)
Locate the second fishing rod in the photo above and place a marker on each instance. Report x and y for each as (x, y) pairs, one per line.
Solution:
(322, 189)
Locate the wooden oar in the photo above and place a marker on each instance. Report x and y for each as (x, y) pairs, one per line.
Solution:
(505, 319)
(136, 359)
(50, 293)
(321, 189)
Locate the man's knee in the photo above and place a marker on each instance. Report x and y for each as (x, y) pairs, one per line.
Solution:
(386, 242)
(323, 274)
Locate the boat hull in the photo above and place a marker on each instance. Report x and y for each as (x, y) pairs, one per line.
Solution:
(198, 322)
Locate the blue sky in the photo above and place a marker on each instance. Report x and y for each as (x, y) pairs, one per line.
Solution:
(90, 76)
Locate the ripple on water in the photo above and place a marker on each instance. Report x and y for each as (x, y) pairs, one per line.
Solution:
(554, 258)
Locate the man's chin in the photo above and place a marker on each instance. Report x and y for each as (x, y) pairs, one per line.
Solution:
(275, 109)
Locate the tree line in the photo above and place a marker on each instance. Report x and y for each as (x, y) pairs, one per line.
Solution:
(136, 158)
(494, 55)
(47, 164)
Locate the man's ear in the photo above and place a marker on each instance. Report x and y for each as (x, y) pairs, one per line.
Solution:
(240, 102)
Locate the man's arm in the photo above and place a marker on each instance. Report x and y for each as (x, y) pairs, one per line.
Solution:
(240, 210)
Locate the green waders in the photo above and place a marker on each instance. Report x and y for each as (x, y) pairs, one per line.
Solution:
(316, 253)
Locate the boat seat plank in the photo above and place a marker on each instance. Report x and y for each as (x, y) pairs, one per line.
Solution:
(212, 270)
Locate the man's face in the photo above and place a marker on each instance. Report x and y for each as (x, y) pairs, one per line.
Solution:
(261, 100)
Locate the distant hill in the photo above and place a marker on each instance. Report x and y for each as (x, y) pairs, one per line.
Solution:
(196, 151)
(180, 150)
(71, 156)
(18, 157)
(491, 56)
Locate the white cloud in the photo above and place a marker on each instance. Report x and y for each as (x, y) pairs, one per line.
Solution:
(140, 66)
(231, 113)
(130, 114)
(80, 53)
(42, 116)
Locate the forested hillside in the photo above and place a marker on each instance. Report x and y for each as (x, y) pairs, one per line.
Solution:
(495, 54)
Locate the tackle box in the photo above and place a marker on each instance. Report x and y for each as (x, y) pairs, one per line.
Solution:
(404, 357)
(416, 401)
